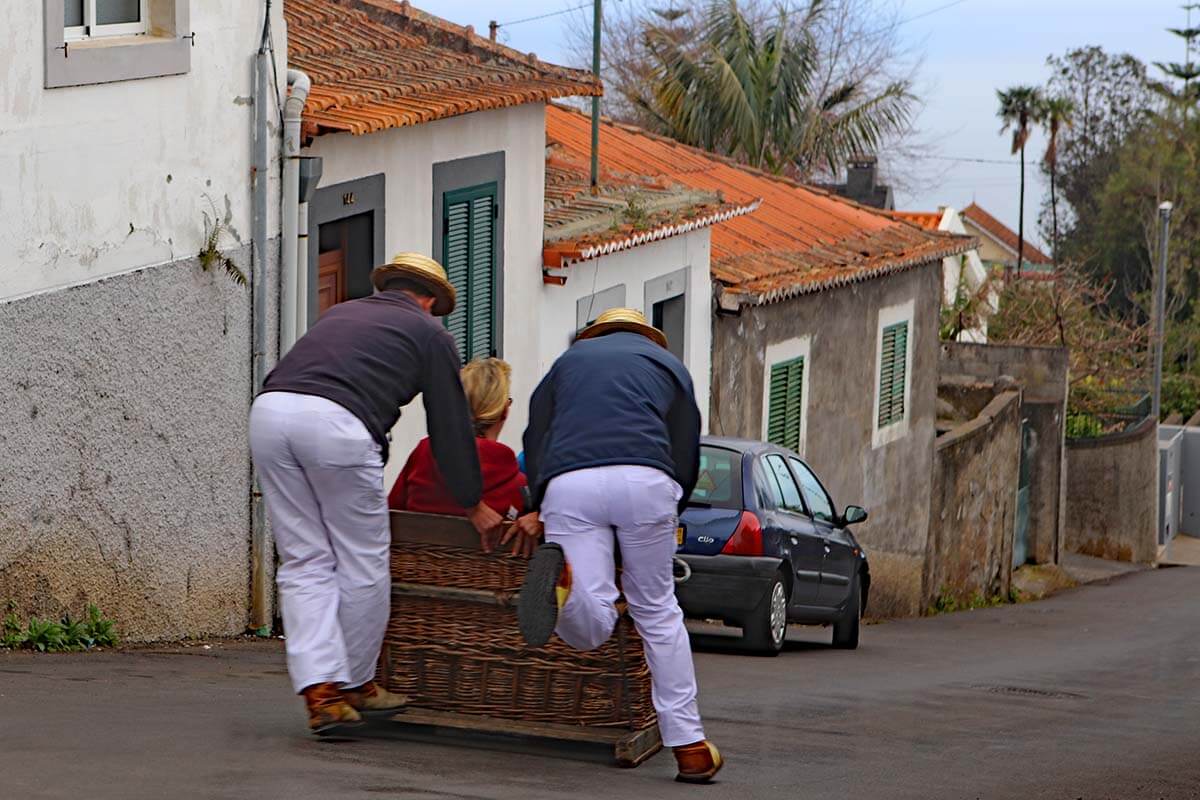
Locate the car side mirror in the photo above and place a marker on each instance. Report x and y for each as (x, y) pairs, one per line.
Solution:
(854, 515)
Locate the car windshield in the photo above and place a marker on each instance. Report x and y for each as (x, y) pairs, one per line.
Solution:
(719, 482)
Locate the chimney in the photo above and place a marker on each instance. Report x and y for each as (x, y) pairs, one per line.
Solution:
(860, 179)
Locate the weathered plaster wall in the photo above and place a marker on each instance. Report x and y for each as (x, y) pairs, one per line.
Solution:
(1042, 373)
(892, 481)
(103, 179)
(633, 269)
(406, 157)
(975, 476)
(1112, 495)
(125, 478)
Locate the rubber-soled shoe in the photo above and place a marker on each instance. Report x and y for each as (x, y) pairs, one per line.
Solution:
(545, 590)
(698, 762)
(328, 711)
(372, 697)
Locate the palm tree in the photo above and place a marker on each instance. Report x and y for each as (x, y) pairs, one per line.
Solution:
(748, 88)
(1057, 113)
(1020, 107)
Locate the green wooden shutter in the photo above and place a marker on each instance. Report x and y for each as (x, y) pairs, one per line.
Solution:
(469, 245)
(785, 403)
(893, 364)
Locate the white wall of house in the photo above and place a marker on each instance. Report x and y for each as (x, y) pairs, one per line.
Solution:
(104, 179)
(976, 274)
(638, 270)
(406, 157)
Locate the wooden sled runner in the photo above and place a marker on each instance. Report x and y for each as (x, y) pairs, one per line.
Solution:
(453, 647)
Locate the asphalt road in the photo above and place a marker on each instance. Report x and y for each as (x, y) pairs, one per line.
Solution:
(1091, 694)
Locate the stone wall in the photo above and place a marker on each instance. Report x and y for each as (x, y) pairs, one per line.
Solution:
(126, 472)
(975, 476)
(891, 480)
(1042, 373)
(1112, 495)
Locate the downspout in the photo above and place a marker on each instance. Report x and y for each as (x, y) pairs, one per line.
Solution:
(290, 275)
(261, 552)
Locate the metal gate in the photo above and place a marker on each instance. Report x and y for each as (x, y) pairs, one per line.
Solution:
(1021, 534)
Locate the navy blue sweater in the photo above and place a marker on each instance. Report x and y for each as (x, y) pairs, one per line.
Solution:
(615, 399)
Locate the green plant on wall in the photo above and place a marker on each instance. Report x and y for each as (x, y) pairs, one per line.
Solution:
(215, 228)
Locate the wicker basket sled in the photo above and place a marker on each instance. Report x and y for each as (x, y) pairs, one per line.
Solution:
(453, 647)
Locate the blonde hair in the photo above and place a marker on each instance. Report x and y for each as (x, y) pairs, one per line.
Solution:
(487, 382)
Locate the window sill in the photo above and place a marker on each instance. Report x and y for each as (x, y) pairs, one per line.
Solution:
(116, 58)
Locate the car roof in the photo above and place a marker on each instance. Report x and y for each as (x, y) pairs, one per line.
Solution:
(743, 446)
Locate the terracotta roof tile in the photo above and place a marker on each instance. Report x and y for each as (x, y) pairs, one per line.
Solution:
(799, 240)
(929, 220)
(628, 210)
(379, 64)
(1004, 234)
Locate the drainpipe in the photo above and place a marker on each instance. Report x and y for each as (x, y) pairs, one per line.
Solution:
(301, 270)
(298, 86)
(261, 552)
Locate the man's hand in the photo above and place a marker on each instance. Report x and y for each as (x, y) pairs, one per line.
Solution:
(525, 534)
(487, 522)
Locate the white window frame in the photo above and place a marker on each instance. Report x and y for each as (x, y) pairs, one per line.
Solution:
(777, 353)
(890, 315)
(90, 30)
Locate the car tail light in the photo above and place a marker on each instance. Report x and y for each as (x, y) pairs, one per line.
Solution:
(747, 539)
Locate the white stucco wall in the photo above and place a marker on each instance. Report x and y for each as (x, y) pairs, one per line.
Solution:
(634, 268)
(406, 157)
(104, 179)
(976, 274)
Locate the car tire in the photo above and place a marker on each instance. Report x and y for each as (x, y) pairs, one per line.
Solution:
(765, 630)
(845, 630)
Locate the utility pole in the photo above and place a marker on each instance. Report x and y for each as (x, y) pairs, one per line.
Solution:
(1160, 304)
(596, 17)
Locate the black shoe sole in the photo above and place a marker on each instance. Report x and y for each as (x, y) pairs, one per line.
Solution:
(335, 729)
(537, 606)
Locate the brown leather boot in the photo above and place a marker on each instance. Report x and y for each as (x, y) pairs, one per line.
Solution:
(698, 762)
(328, 711)
(371, 697)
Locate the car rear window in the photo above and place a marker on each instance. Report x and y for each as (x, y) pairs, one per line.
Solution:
(719, 482)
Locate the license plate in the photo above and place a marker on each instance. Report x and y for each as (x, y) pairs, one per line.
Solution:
(679, 536)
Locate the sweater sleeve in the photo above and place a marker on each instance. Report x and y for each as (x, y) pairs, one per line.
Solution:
(541, 413)
(449, 422)
(683, 423)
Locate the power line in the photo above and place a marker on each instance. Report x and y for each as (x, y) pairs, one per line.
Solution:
(931, 12)
(972, 160)
(544, 16)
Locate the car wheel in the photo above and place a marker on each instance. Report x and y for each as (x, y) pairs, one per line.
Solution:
(845, 630)
(766, 627)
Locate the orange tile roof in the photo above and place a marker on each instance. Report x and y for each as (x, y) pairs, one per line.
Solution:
(627, 211)
(929, 220)
(799, 240)
(379, 64)
(1004, 234)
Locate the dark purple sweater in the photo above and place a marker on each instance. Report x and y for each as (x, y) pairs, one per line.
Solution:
(373, 355)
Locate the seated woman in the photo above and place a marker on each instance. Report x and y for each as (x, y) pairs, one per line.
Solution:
(420, 486)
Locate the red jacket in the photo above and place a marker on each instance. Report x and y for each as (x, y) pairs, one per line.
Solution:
(420, 486)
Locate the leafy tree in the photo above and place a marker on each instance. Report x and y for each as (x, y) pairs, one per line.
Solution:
(1057, 113)
(752, 87)
(1020, 108)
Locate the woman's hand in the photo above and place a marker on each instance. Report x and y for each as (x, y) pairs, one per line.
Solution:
(525, 534)
(488, 523)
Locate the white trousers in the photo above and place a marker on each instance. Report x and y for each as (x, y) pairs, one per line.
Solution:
(322, 479)
(583, 511)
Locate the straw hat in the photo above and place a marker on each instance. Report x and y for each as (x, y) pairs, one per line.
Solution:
(623, 319)
(419, 269)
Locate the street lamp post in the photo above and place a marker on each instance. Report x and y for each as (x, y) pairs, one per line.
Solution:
(1160, 304)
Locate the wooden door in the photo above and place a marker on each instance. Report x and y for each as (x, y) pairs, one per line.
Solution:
(331, 280)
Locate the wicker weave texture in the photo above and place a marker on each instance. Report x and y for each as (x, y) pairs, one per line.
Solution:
(469, 658)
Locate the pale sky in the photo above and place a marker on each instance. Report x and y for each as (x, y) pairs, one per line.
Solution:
(969, 50)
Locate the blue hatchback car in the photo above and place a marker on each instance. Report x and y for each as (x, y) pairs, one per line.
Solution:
(761, 544)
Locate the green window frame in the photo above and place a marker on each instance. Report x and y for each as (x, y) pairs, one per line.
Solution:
(785, 403)
(893, 373)
(469, 254)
